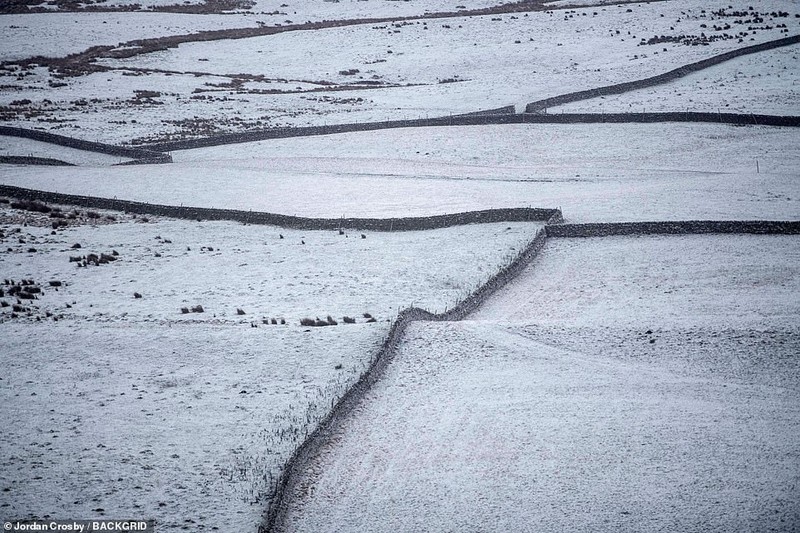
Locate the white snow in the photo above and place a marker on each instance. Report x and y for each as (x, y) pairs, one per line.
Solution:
(61, 34)
(766, 82)
(127, 405)
(620, 384)
(20, 146)
(598, 172)
(477, 425)
(492, 60)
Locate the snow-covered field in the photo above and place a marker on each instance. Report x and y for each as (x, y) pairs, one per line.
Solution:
(116, 406)
(596, 172)
(19, 146)
(767, 82)
(60, 34)
(372, 72)
(488, 424)
(620, 384)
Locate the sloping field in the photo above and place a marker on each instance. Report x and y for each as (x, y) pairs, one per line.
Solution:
(766, 82)
(122, 398)
(490, 424)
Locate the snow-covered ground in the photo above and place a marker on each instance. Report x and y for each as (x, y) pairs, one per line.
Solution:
(496, 424)
(735, 281)
(596, 172)
(372, 72)
(19, 146)
(59, 34)
(631, 384)
(767, 82)
(116, 406)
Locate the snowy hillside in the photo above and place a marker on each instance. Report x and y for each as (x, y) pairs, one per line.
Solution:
(212, 375)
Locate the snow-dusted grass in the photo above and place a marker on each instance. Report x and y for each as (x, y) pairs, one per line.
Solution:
(19, 146)
(491, 60)
(599, 172)
(477, 425)
(767, 82)
(125, 406)
(663, 281)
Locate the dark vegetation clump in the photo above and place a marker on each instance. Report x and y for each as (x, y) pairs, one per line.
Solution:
(31, 205)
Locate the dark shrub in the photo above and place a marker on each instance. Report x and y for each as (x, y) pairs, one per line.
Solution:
(372, 320)
(240, 311)
(137, 295)
(349, 320)
(274, 321)
(29, 205)
(367, 315)
(331, 321)
(307, 322)
(283, 321)
(198, 309)
(185, 310)
(92, 214)
(320, 323)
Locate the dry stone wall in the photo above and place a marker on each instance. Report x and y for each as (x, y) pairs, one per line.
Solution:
(521, 214)
(666, 77)
(139, 155)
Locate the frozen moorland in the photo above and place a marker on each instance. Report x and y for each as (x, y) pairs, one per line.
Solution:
(193, 87)
(619, 384)
(160, 369)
